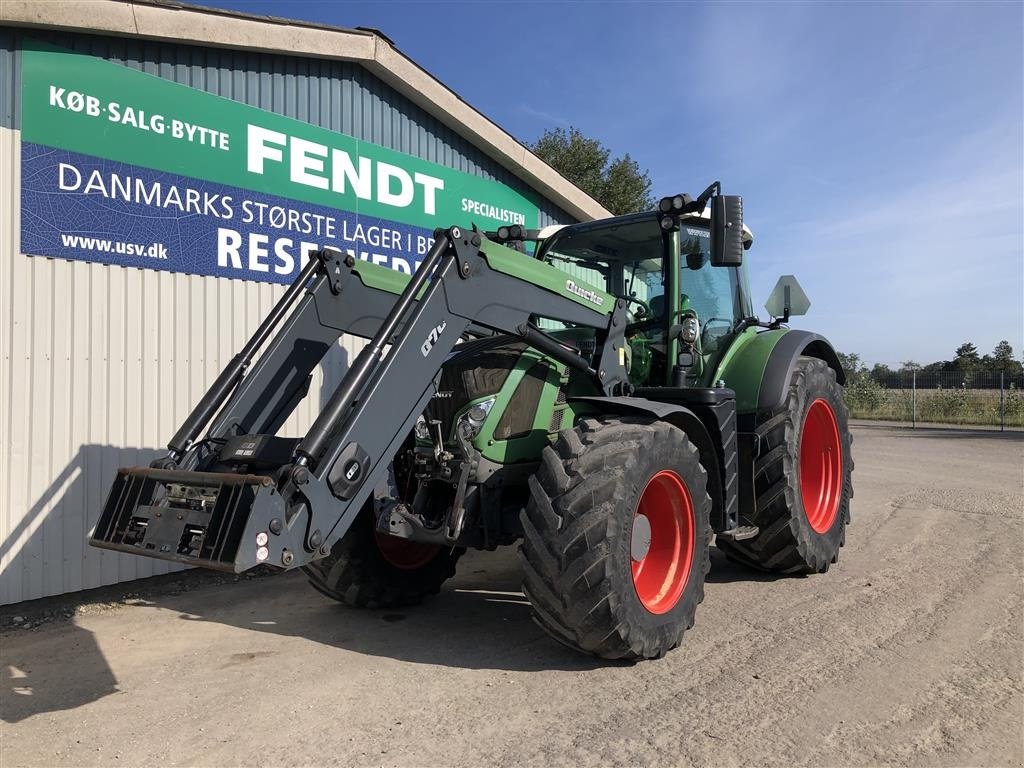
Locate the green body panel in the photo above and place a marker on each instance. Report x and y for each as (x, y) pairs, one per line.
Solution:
(382, 278)
(500, 259)
(528, 447)
(543, 275)
(742, 367)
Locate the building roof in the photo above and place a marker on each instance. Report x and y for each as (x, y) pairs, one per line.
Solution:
(374, 51)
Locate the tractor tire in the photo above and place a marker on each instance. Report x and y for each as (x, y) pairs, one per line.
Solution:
(802, 478)
(366, 569)
(616, 538)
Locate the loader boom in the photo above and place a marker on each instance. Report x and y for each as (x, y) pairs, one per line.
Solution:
(192, 507)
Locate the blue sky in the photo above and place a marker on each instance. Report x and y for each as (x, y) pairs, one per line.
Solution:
(879, 147)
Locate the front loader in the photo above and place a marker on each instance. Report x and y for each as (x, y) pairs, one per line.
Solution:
(608, 400)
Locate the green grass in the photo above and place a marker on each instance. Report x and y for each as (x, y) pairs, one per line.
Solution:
(868, 400)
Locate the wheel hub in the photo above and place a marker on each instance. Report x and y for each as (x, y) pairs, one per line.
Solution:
(662, 542)
(640, 542)
(821, 466)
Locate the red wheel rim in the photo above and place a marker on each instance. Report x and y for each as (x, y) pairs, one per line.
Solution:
(821, 466)
(662, 544)
(404, 554)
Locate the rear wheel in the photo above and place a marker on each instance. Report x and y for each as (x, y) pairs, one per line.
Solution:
(366, 569)
(616, 537)
(802, 478)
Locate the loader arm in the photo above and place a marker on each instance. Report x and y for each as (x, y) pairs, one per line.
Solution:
(195, 507)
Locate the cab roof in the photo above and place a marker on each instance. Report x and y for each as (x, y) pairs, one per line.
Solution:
(631, 218)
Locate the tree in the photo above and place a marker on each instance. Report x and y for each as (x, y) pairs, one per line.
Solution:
(910, 365)
(852, 365)
(881, 373)
(1002, 357)
(1003, 360)
(619, 185)
(967, 358)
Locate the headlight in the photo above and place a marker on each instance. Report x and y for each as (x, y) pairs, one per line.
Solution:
(475, 417)
(691, 329)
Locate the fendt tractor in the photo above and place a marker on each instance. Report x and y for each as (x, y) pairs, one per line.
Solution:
(601, 393)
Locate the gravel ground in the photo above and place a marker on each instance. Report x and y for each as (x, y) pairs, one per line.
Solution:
(908, 652)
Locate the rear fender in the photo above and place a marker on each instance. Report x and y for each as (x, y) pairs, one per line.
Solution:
(760, 369)
(782, 362)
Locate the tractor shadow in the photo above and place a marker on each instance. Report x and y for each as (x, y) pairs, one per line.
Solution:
(480, 620)
(725, 571)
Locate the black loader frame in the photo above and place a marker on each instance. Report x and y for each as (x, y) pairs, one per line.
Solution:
(298, 497)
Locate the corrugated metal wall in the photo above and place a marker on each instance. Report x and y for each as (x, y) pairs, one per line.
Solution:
(101, 363)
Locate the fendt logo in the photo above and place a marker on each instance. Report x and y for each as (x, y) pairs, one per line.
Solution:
(585, 293)
(432, 338)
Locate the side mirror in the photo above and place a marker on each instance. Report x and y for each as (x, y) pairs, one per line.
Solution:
(726, 231)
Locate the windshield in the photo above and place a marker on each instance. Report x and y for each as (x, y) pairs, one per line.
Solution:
(718, 295)
(627, 260)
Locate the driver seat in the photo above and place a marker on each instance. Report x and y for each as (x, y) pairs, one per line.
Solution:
(657, 305)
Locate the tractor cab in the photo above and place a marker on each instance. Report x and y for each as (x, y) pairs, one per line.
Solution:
(677, 298)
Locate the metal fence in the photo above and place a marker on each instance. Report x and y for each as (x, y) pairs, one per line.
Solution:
(941, 397)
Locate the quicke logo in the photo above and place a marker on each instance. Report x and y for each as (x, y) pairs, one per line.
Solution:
(585, 293)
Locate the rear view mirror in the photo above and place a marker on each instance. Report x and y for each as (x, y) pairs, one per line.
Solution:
(726, 231)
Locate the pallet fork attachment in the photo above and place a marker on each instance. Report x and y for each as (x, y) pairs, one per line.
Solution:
(220, 502)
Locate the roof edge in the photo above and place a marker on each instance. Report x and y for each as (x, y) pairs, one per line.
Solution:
(191, 24)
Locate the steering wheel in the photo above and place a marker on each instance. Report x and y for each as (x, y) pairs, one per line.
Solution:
(708, 323)
(645, 308)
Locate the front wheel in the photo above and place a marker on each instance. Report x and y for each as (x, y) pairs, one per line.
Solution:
(366, 569)
(802, 478)
(616, 537)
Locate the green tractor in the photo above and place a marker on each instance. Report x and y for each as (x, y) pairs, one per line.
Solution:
(601, 393)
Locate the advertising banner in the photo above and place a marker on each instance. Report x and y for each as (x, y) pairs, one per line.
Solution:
(121, 167)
